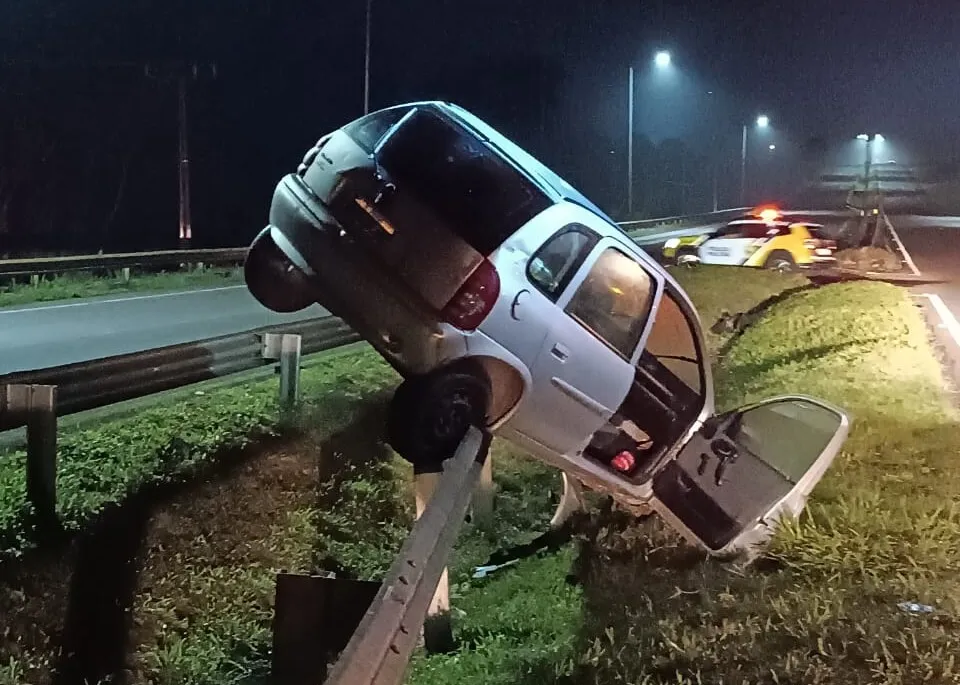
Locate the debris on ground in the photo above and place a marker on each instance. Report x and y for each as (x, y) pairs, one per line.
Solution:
(874, 259)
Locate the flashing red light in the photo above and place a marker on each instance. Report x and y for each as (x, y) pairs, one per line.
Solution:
(769, 214)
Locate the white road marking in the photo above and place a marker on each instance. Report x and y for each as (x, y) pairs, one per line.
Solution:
(949, 320)
(906, 255)
(120, 299)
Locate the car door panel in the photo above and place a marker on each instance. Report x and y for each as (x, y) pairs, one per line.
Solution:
(783, 446)
(579, 379)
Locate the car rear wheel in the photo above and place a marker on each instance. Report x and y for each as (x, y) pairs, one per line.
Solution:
(274, 280)
(429, 415)
(780, 260)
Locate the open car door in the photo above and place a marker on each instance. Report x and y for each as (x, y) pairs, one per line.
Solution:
(745, 469)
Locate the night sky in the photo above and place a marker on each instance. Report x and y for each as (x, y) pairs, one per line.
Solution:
(90, 138)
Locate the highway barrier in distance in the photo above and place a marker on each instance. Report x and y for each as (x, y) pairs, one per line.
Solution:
(51, 265)
(101, 382)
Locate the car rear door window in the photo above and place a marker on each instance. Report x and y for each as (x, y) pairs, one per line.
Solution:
(474, 191)
(614, 300)
(556, 262)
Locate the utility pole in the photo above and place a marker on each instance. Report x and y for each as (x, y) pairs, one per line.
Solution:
(184, 73)
(743, 167)
(630, 146)
(186, 230)
(366, 62)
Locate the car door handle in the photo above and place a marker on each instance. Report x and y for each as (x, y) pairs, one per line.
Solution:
(560, 352)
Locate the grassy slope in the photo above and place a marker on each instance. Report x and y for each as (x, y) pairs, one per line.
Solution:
(101, 465)
(822, 607)
(72, 286)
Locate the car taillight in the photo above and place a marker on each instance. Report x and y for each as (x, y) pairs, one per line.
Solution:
(470, 306)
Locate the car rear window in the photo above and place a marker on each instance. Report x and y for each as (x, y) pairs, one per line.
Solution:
(367, 131)
(478, 194)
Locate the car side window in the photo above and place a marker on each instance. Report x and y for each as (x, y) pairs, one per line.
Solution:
(614, 300)
(555, 263)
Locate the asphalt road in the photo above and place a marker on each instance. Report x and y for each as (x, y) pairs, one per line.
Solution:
(42, 336)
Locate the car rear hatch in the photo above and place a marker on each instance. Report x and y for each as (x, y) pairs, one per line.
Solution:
(429, 200)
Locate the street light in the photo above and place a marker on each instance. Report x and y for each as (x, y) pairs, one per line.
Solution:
(772, 146)
(661, 60)
(868, 155)
(763, 121)
(366, 60)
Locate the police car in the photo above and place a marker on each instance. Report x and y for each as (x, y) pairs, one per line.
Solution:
(765, 241)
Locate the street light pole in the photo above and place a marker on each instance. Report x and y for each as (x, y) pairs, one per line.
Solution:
(630, 145)
(366, 62)
(743, 167)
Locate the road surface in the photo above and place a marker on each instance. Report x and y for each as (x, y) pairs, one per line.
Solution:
(41, 336)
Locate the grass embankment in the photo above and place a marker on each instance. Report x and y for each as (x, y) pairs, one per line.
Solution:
(80, 285)
(122, 473)
(820, 607)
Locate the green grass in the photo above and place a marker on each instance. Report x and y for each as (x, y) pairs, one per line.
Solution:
(102, 465)
(734, 290)
(80, 285)
(821, 605)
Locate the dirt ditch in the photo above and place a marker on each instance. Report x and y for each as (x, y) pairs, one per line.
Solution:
(75, 614)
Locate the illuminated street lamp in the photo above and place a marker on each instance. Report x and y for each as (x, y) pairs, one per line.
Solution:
(662, 61)
(772, 147)
(868, 155)
(763, 121)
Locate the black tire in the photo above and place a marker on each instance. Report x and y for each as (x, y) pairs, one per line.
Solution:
(685, 252)
(429, 415)
(272, 279)
(780, 260)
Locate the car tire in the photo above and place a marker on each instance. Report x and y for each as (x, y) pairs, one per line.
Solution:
(274, 280)
(429, 415)
(780, 260)
(678, 258)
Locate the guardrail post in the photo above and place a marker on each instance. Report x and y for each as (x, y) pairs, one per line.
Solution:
(483, 497)
(438, 628)
(125, 274)
(35, 280)
(36, 405)
(290, 346)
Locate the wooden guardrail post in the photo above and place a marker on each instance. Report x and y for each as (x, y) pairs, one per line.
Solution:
(36, 407)
(438, 628)
(482, 506)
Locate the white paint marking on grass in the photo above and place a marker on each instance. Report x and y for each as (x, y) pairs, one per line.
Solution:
(120, 299)
(949, 320)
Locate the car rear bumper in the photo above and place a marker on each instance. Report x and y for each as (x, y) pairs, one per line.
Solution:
(349, 283)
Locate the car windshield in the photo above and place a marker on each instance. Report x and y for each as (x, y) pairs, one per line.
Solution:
(477, 193)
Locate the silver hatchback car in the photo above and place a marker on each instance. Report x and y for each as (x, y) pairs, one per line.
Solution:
(507, 299)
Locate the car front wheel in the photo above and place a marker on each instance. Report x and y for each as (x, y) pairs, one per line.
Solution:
(429, 415)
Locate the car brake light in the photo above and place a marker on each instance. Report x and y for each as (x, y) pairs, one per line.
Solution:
(470, 306)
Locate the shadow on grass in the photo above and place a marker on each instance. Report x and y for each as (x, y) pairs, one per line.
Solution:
(738, 322)
(797, 356)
